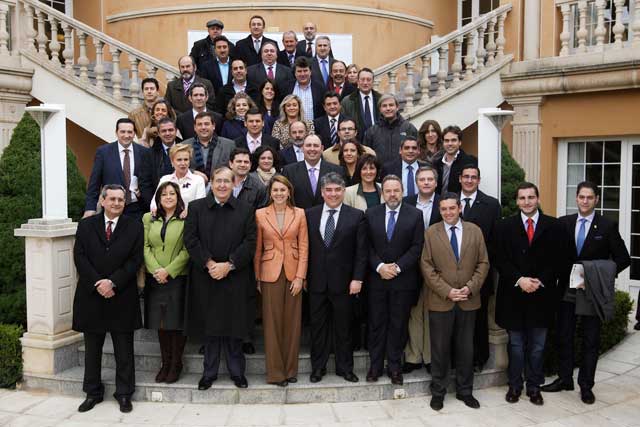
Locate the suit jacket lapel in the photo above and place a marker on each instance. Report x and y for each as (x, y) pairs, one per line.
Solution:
(540, 227)
(444, 237)
(270, 215)
(99, 227)
(590, 233)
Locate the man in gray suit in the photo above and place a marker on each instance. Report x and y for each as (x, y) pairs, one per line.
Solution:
(209, 150)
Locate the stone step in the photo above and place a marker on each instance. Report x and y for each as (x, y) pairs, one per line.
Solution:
(330, 389)
(147, 358)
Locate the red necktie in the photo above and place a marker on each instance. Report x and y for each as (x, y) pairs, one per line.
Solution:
(338, 89)
(530, 230)
(108, 232)
(270, 72)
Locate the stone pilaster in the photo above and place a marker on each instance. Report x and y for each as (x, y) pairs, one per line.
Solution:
(527, 126)
(15, 89)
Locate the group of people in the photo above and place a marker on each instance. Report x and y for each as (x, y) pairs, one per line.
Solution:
(339, 216)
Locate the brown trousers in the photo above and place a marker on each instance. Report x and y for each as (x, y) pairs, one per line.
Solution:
(281, 319)
(418, 349)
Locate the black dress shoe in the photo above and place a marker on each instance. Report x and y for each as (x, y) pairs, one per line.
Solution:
(248, 348)
(201, 349)
(292, 380)
(437, 402)
(557, 385)
(637, 326)
(587, 397)
(512, 395)
(469, 400)
(282, 383)
(372, 377)
(317, 374)
(536, 397)
(349, 376)
(478, 367)
(428, 367)
(396, 378)
(410, 367)
(89, 403)
(205, 383)
(240, 382)
(125, 404)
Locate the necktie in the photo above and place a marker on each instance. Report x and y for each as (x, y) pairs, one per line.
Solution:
(292, 59)
(367, 113)
(338, 89)
(329, 228)
(109, 230)
(309, 51)
(332, 131)
(126, 170)
(467, 207)
(411, 185)
(270, 72)
(325, 73)
(582, 235)
(256, 46)
(391, 224)
(253, 145)
(530, 230)
(313, 180)
(186, 84)
(454, 243)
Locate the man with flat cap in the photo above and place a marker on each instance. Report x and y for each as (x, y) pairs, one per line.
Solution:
(205, 48)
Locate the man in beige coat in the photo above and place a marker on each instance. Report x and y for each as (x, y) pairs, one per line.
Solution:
(454, 265)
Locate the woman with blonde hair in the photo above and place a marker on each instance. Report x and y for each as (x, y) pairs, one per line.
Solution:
(352, 74)
(291, 110)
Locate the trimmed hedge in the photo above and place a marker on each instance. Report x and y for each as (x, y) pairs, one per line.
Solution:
(512, 175)
(10, 355)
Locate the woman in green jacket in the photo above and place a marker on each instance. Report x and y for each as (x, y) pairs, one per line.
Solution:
(166, 260)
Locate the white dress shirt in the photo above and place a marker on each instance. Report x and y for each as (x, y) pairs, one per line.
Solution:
(587, 224)
(426, 208)
(192, 187)
(405, 174)
(299, 153)
(458, 225)
(239, 88)
(325, 216)
(133, 184)
(370, 101)
(316, 171)
(525, 220)
(471, 196)
(253, 146)
(306, 95)
(114, 222)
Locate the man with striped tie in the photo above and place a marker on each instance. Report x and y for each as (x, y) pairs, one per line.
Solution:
(347, 132)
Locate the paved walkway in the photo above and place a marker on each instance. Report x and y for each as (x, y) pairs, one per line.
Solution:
(617, 392)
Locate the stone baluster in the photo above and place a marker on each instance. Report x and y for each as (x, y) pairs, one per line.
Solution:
(151, 70)
(30, 31)
(409, 89)
(67, 53)
(425, 81)
(491, 41)
(618, 28)
(600, 30)
(134, 86)
(565, 35)
(376, 84)
(582, 32)
(470, 59)
(170, 76)
(393, 79)
(443, 51)
(635, 25)
(83, 60)
(4, 34)
(500, 40)
(456, 67)
(99, 68)
(41, 38)
(54, 44)
(116, 78)
(480, 50)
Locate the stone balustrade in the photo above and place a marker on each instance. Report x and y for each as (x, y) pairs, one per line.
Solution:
(477, 48)
(78, 52)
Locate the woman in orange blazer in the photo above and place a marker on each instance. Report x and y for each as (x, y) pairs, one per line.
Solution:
(281, 267)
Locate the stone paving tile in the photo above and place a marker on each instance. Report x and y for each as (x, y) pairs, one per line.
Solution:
(625, 414)
(348, 424)
(405, 422)
(18, 402)
(589, 419)
(358, 411)
(542, 414)
(570, 400)
(59, 407)
(5, 417)
(305, 413)
(201, 415)
(105, 412)
(68, 423)
(255, 415)
(629, 382)
(32, 421)
(625, 356)
(408, 408)
(614, 367)
(152, 413)
(488, 417)
(612, 393)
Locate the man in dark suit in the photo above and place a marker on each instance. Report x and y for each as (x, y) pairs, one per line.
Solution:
(484, 211)
(294, 153)
(396, 235)
(107, 254)
(337, 265)
(239, 83)
(589, 236)
(217, 68)
(178, 89)
(288, 55)
(338, 82)
(527, 259)
(268, 68)
(326, 126)
(121, 162)
(306, 47)
(158, 161)
(198, 97)
(205, 48)
(418, 349)
(255, 136)
(305, 175)
(450, 165)
(306, 88)
(248, 49)
(321, 62)
(406, 166)
(362, 104)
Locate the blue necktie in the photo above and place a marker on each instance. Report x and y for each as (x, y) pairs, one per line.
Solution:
(411, 186)
(582, 234)
(454, 243)
(391, 224)
(329, 228)
(325, 72)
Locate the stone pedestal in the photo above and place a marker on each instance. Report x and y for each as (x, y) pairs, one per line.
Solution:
(49, 345)
(15, 88)
(527, 126)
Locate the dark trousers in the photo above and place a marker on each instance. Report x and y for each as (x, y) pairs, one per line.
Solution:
(590, 345)
(446, 326)
(388, 327)
(232, 353)
(125, 365)
(251, 317)
(134, 210)
(331, 317)
(481, 333)
(526, 355)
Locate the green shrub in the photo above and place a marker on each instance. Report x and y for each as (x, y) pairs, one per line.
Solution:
(10, 355)
(612, 333)
(21, 200)
(512, 175)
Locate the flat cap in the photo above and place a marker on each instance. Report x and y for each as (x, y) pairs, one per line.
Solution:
(215, 23)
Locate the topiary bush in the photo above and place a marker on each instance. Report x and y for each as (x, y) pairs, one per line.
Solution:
(512, 175)
(21, 200)
(10, 355)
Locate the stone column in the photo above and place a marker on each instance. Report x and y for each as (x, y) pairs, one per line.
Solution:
(49, 345)
(15, 89)
(526, 134)
(531, 29)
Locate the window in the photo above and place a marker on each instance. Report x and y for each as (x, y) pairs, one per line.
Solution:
(635, 213)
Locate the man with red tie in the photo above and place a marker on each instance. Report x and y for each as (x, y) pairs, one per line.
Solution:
(338, 79)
